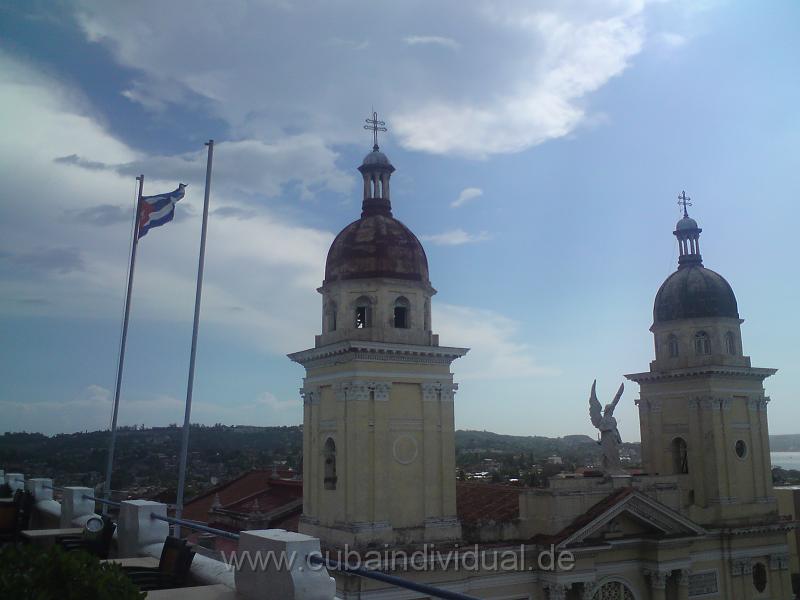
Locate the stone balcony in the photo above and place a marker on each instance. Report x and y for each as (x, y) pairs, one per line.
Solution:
(141, 533)
(293, 570)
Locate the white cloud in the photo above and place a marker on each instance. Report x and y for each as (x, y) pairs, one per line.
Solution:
(246, 166)
(466, 195)
(456, 237)
(523, 79)
(577, 56)
(91, 411)
(431, 40)
(59, 264)
(351, 44)
(672, 39)
(496, 352)
(271, 402)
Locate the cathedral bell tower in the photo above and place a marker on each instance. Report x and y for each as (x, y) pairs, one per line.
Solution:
(702, 408)
(378, 426)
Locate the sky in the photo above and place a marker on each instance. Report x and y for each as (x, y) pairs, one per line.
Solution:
(539, 147)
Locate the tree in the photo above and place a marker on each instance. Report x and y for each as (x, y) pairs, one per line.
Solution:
(31, 573)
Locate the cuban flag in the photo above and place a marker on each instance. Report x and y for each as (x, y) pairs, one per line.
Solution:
(157, 210)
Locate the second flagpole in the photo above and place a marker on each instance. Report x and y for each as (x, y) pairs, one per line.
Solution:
(123, 340)
(190, 383)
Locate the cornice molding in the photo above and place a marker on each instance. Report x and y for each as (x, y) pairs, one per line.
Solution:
(376, 352)
(746, 372)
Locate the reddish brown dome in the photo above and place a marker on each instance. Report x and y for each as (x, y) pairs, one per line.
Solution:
(377, 245)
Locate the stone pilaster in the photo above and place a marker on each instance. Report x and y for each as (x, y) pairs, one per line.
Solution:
(779, 580)
(766, 469)
(755, 444)
(778, 562)
(653, 407)
(589, 589)
(432, 449)
(380, 390)
(695, 453)
(310, 394)
(741, 566)
(430, 391)
(658, 583)
(742, 570)
(556, 591)
(683, 583)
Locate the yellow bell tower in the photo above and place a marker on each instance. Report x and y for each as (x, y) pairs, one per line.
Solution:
(379, 434)
(702, 409)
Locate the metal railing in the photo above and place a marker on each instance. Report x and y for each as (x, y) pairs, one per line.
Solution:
(102, 500)
(423, 588)
(317, 559)
(336, 566)
(197, 526)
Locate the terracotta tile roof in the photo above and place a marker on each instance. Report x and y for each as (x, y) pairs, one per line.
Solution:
(485, 502)
(256, 491)
(276, 494)
(229, 492)
(289, 522)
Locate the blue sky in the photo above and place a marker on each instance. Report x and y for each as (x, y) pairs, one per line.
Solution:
(572, 130)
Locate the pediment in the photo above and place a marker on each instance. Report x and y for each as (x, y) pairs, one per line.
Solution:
(633, 515)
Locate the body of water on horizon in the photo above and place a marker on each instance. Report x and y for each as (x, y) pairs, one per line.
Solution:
(786, 460)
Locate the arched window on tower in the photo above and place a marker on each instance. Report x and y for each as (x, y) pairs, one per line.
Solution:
(672, 345)
(730, 343)
(330, 317)
(702, 343)
(680, 456)
(330, 464)
(402, 308)
(759, 577)
(363, 313)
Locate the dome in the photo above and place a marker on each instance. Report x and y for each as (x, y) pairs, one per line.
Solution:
(692, 292)
(686, 223)
(376, 157)
(377, 245)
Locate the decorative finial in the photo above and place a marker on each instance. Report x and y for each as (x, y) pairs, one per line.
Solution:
(376, 126)
(684, 200)
(688, 234)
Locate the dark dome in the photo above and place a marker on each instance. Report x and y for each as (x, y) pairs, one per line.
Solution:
(376, 157)
(694, 291)
(686, 223)
(377, 245)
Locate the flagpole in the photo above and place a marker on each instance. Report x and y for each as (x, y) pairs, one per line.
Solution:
(190, 383)
(123, 340)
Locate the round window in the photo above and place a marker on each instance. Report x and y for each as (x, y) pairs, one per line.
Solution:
(741, 449)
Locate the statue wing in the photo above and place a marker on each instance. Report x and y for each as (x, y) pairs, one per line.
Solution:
(595, 410)
(617, 397)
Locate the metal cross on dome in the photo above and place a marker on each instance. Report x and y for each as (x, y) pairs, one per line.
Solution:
(376, 126)
(683, 200)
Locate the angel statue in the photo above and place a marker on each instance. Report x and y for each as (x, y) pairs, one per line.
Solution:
(610, 439)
